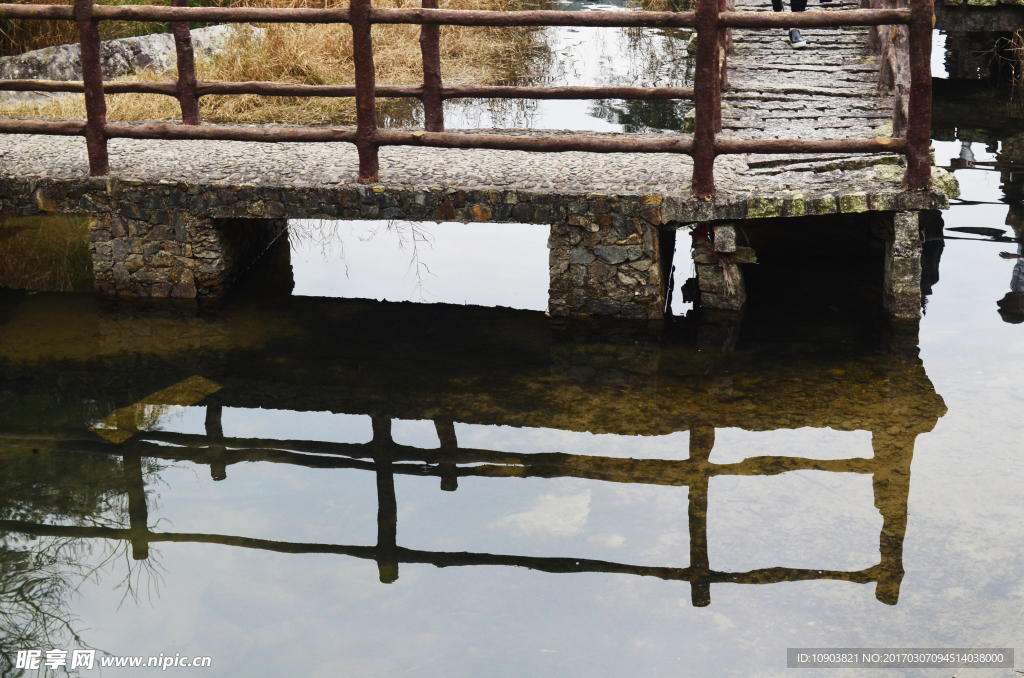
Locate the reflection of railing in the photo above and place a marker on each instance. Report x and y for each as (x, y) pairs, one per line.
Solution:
(890, 469)
(711, 21)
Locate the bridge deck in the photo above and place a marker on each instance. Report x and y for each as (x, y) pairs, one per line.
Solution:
(824, 91)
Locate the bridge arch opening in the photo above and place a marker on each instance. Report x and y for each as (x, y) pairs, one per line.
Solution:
(423, 262)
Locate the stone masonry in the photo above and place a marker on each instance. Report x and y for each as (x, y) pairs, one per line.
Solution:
(605, 249)
(162, 214)
(170, 253)
(902, 282)
(717, 262)
(607, 259)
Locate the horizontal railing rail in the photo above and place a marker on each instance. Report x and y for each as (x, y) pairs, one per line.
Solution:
(711, 20)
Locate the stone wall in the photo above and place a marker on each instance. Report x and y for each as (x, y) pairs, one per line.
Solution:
(719, 275)
(902, 283)
(174, 254)
(607, 260)
(606, 250)
(176, 239)
(979, 15)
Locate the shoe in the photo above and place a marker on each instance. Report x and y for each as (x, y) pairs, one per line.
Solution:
(796, 41)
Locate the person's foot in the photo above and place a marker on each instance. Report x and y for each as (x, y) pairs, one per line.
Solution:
(796, 41)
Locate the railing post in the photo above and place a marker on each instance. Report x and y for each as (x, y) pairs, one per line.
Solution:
(138, 512)
(449, 445)
(387, 503)
(430, 47)
(919, 108)
(186, 69)
(366, 103)
(706, 90)
(92, 76)
(702, 439)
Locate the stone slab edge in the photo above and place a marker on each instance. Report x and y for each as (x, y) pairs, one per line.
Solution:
(146, 201)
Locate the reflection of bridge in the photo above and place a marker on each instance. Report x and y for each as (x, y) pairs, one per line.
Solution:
(890, 469)
(623, 384)
(958, 16)
(971, 111)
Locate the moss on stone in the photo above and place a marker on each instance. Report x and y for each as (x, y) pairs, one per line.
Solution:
(853, 202)
(799, 206)
(945, 182)
(825, 205)
(764, 208)
(887, 172)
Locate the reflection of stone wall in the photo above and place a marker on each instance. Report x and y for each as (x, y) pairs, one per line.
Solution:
(471, 365)
(135, 335)
(595, 353)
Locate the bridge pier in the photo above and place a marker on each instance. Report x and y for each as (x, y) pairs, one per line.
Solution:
(606, 263)
(902, 282)
(719, 274)
(171, 253)
(718, 262)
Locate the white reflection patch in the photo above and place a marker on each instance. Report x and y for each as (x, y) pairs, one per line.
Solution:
(551, 516)
(177, 419)
(325, 427)
(734, 445)
(415, 433)
(527, 440)
(804, 519)
(448, 263)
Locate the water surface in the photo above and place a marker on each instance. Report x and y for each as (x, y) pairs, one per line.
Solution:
(317, 477)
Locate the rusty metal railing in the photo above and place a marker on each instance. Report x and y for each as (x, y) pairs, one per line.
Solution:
(711, 21)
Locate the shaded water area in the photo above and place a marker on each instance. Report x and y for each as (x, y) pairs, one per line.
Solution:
(308, 479)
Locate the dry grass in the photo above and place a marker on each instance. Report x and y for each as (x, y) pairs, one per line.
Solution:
(664, 5)
(22, 36)
(45, 254)
(322, 55)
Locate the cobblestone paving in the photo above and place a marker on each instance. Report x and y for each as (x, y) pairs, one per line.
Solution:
(312, 164)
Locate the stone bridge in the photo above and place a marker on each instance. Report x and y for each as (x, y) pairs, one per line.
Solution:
(180, 218)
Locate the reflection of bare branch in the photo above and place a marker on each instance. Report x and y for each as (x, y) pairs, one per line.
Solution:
(35, 585)
(133, 579)
(410, 236)
(39, 578)
(323, 234)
